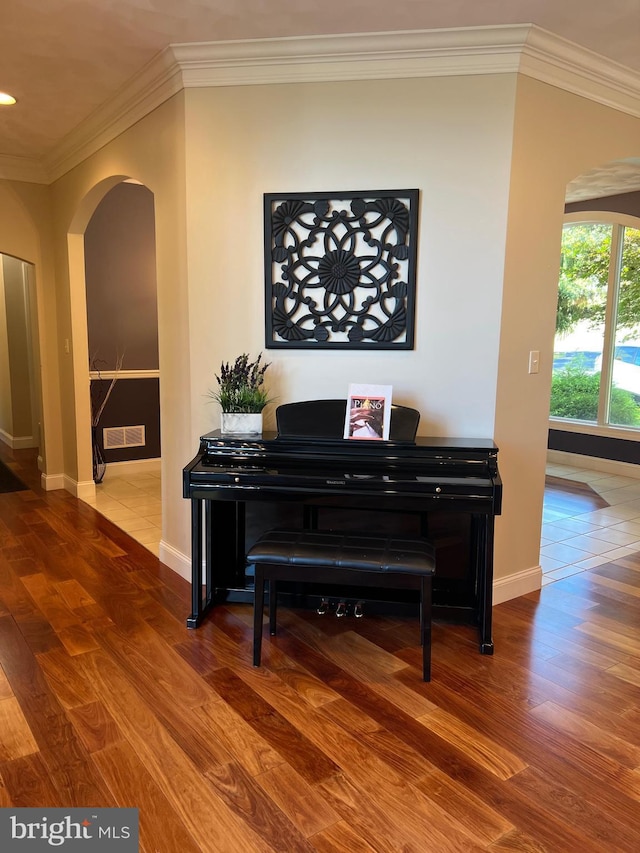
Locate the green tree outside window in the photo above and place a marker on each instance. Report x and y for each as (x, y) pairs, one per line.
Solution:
(595, 257)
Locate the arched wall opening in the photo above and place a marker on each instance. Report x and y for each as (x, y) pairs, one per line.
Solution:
(602, 222)
(109, 304)
(122, 312)
(556, 137)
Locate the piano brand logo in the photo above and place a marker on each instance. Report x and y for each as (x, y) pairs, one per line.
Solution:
(335, 482)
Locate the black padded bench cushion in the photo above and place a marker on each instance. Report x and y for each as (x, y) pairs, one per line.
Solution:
(344, 550)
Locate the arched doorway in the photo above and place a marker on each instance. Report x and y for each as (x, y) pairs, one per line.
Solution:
(594, 438)
(120, 339)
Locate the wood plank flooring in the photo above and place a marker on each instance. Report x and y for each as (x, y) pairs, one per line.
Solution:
(335, 744)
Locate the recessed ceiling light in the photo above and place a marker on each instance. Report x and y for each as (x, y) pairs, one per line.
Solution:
(6, 100)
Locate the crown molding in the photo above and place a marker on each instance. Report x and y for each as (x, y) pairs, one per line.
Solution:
(361, 56)
(524, 49)
(562, 63)
(158, 81)
(26, 169)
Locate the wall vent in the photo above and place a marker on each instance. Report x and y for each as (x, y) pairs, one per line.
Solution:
(128, 436)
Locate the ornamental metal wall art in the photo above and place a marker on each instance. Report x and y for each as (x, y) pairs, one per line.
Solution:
(340, 269)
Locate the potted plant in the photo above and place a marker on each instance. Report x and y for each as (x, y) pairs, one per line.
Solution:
(242, 395)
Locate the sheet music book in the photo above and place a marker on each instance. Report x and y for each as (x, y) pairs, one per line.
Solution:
(368, 412)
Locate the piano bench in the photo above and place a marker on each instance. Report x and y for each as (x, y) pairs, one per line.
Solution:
(359, 559)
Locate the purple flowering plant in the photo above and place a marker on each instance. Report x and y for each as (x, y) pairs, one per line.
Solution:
(241, 385)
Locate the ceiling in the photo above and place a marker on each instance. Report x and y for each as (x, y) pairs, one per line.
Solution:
(63, 58)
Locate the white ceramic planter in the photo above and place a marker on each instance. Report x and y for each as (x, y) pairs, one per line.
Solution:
(239, 423)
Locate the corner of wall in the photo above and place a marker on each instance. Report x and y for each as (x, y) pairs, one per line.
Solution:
(520, 583)
(176, 560)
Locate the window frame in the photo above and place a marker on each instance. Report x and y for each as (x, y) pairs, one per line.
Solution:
(621, 220)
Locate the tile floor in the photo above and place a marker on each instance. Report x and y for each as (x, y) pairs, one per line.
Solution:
(133, 502)
(574, 543)
(570, 543)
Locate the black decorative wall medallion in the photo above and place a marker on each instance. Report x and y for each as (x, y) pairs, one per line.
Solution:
(340, 269)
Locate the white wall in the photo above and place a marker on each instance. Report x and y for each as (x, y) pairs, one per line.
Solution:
(451, 138)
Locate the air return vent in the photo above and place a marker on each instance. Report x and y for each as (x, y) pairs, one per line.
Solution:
(128, 436)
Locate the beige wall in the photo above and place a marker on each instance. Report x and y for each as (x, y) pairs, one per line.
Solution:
(557, 136)
(6, 403)
(17, 327)
(491, 156)
(451, 138)
(480, 206)
(152, 152)
(26, 233)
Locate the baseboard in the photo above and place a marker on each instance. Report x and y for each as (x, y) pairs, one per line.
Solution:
(513, 586)
(176, 560)
(134, 466)
(87, 489)
(593, 463)
(51, 482)
(83, 490)
(23, 442)
(504, 589)
(17, 442)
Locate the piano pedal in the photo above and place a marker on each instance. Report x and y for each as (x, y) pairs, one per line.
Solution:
(323, 607)
(341, 609)
(358, 609)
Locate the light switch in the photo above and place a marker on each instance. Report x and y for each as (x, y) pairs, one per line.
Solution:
(534, 361)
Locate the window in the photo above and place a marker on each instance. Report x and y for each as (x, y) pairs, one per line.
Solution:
(596, 360)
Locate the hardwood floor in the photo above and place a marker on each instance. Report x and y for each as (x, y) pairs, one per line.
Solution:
(335, 744)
